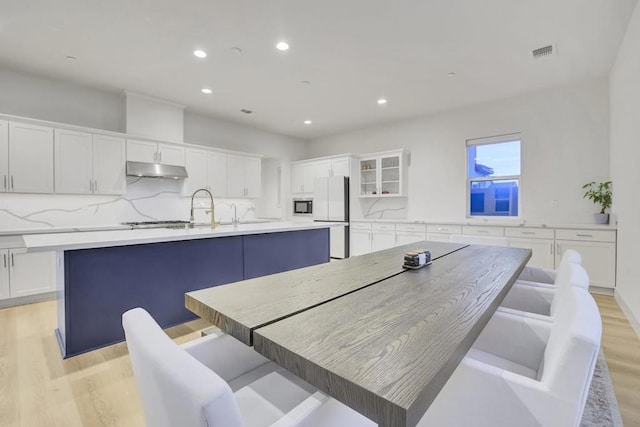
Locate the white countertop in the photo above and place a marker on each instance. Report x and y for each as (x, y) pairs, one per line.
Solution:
(109, 238)
(611, 227)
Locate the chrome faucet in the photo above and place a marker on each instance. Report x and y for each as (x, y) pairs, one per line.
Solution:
(235, 220)
(212, 211)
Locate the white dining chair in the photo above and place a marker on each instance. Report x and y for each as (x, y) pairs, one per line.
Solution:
(479, 240)
(524, 372)
(546, 275)
(524, 297)
(216, 381)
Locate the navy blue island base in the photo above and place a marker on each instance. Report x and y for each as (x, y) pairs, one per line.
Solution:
(100, 284)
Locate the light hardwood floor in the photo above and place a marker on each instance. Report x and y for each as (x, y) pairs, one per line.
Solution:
(38, 388)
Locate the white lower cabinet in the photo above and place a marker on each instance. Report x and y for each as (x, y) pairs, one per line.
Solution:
(25, 273)
(539, 240)
(410, 233)
(542, 253)
(442, 232)
(5, 290)
(598, 250)
(383, 236)
(360, 239)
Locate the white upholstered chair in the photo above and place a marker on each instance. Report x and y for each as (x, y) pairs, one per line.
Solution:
(545, 275)
(216, 381)
(545, 301)
(523, 371)
(479, 240)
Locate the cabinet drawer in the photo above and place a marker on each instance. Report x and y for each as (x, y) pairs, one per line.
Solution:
(411, 228)
(442, 228)
(533, 233)
(383, 227)
(360, 226)
(588, 235)
(483, 231)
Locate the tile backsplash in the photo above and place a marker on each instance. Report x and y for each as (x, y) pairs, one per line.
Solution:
(147, 199)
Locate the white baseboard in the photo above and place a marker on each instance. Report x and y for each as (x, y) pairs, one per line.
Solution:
(601, 291)
(29, 299)
(635, 323)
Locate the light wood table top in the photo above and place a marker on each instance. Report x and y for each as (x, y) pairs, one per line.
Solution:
(239, 308)
(387, 350)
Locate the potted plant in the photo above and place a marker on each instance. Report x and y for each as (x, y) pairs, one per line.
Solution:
(600, 194)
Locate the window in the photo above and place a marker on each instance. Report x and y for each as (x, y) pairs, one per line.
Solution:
(493, 176)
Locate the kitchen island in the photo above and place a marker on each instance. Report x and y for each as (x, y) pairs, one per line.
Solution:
(102, 274)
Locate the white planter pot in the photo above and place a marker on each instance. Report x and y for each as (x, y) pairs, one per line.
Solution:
(601, 218)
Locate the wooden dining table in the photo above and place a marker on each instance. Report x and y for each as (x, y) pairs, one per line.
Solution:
(381, 339)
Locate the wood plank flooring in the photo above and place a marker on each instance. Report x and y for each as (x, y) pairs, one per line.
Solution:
(39, 389)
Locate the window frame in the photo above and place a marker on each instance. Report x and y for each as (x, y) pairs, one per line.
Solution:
(497, 139)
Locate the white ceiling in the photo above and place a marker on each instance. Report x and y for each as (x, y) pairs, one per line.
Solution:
(352, 51)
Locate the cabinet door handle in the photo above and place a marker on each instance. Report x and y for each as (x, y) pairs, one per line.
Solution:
(12, 186)
(529, 232)
(584, 235)
(95, 186)
(482, 231)
(5, 260)
(160, 156)
(5, 181)
(13, 264)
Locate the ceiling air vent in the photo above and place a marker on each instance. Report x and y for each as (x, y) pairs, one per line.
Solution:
(543, 52)
(244, 110)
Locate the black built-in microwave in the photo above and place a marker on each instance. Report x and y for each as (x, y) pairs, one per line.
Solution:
(303, 207)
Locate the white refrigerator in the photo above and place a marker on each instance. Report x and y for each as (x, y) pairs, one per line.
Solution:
(331, 203)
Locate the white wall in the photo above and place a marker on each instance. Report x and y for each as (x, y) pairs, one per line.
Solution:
(213, 132)
(565, 143)
(625, 172)
(29, 95)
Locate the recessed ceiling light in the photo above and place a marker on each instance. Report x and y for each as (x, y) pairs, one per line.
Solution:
(282, 46)
(305, 82)
(382, 101)
(206, 90)
(71, 58)
(244, 110)
(451, 74)
(307, 122)
(236, 49)
(200, 53)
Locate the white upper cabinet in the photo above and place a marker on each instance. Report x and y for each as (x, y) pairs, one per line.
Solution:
(217, 174)
(384, 174)
(302, 176)
(30, 157)
(252, 176)
(170, 155)
(243, 176)
(207, 170)
(304, 173)
(89, 164)
(152, 152)
(109, 165)
(4, 155)
(322, 169)
(196, 165)
(74, 162)
(142, 151)
(341, 166)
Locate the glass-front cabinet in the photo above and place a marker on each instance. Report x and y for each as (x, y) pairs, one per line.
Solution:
(384, 174)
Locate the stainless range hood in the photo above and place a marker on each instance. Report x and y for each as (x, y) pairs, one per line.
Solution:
(155, 170)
